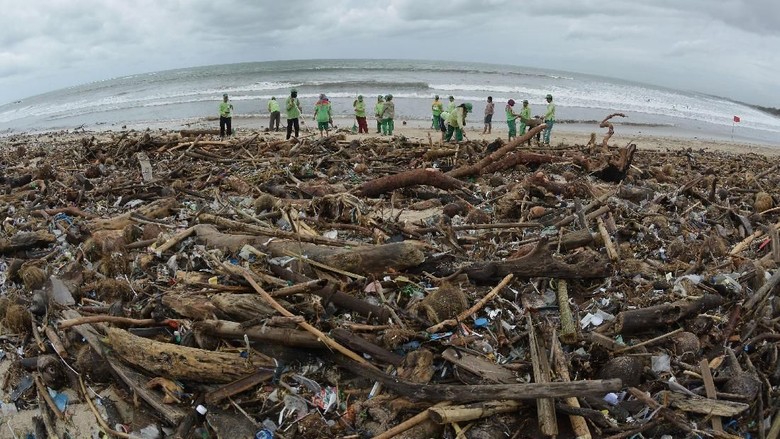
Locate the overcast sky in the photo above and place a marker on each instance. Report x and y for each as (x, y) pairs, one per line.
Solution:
(724, 47)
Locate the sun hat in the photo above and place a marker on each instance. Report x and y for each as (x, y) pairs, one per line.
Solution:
(549, 96)
(468, 106)
(525, 101)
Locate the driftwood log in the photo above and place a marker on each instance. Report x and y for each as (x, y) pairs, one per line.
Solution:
(376, 259)
(479, 167)
(412, 177)
(26, 240)
(645, 319)
(461, 394)
(541, 263)
(182, 362)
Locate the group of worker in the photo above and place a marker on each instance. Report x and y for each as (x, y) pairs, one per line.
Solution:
(451, 121)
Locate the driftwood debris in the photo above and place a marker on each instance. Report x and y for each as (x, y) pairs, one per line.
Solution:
(352, 286)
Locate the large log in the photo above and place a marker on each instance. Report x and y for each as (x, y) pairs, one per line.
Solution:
(262, 333)
(461, 394)
(377, 259)
(26, 240)
(182, 362)
(541, 263)
(158, 209)
(646, 319)
(412, 177)
(478, 168)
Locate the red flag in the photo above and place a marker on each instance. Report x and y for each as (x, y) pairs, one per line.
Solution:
(736, 118)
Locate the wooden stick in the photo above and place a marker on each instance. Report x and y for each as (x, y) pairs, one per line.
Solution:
(64, 324)
(762, 293)
(649, 342)
(709, 387)
(774, 235)
(409, 423)
(742, 245)
(167, 245)
(608, 244)
(568, 327)
(663, 410)
(477, 306)
(46, 397)
(303, 287)
(470, 412)
(56, 342)
(545, 407)
(240, 271)
(100, 419)
(578, 424)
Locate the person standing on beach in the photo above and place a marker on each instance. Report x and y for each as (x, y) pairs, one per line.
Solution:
(510, 118)
(225, 117)
(378, 113)
(456, 122)
(322, 114)
(293, 107)
(451, 106)
(273, 109)
(437, 107)
(388, 114)
(549, 119)
(489, 109)
(360, 114)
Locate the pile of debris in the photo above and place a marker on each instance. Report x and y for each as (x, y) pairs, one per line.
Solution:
(168, 285)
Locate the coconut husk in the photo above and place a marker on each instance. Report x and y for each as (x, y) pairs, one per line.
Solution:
(445, 303)
(33, 277)
(17, 319)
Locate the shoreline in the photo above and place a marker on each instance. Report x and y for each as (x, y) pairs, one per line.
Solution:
(656, 138)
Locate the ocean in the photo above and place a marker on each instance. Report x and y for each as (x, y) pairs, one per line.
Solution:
(181, 97)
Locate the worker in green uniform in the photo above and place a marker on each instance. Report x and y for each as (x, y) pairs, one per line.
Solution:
(456, 122)
(273, 110)
(451, 106)
(293, 107)
(360, 114)
(378, 113)
(322, 114)
(225, 117)
(510, 118)
(437, 107)
(388, 114)
(549, 119)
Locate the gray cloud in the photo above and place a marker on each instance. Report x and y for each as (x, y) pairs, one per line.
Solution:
(692, 44)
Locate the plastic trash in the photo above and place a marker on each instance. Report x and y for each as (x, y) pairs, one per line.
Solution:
(480, 322)
(661, 363)
(24, 385)
(611, 398)
(61, 400)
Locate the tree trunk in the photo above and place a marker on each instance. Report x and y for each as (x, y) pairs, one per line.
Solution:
(181, 362)
(541, 263)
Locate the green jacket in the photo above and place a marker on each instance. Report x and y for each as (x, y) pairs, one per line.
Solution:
(388, 110)
(378, 109)
(457, 118)
(510, 113)
(360, 108)
(550, 114)
(273, 105)
(525, 114)
(451, 107)
(322, 111)
(225, 109)
(293, 107)
(437, 107)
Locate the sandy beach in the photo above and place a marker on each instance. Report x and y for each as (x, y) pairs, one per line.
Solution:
(646, 138)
